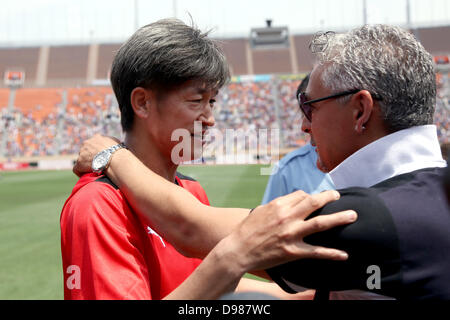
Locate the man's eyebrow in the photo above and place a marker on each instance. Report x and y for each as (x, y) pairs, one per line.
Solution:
(202, 90)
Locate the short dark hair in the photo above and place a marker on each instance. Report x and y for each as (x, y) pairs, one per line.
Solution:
(162, 55)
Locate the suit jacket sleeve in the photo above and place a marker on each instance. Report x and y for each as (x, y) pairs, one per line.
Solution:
(370, 241)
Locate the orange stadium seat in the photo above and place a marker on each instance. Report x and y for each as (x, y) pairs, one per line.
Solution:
(4, 96)
(39, 102)
(241, 104)
(68, 62)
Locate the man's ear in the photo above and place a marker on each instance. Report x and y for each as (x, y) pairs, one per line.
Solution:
(363, 108)
(140, 101)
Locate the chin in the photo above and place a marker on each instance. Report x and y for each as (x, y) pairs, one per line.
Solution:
(197, 149)
(197, 155)
(321, 166)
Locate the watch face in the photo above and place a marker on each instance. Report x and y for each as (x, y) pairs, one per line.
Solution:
(100, 160)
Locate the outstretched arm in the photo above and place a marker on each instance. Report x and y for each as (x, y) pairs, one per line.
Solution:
(190, 226)
(271, 235)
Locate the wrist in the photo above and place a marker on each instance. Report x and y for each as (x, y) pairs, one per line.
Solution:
(230, 258)
(102, 159)
(118, 157)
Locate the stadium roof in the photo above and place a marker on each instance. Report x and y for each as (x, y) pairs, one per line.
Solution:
(57, 22)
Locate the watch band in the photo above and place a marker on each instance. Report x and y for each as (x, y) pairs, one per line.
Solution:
(102, 159)
(111, 150)
(116, 147)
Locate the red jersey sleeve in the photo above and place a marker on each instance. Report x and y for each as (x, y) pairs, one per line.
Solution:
(102, 254)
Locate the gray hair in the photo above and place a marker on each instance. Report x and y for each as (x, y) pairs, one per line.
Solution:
(162, 55)
(387, 61)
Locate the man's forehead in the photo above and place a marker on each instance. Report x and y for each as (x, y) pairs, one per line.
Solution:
(314, 80)
(199, 86)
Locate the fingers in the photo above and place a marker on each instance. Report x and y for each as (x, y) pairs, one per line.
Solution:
(318, 252)
(298, 196)
(89, 149)
(290, 199)
(113, 138)
(326, 222)
(322, 223)
(98, 143)
(83, 163)
(311, 203)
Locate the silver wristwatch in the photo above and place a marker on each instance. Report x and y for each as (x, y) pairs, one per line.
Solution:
(103, 158)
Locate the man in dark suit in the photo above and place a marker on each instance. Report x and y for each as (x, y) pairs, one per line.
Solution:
(369, 109)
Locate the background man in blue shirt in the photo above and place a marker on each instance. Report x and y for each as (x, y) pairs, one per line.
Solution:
(297, 170)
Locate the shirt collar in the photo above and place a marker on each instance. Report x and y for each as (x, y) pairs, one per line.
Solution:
(397, 153)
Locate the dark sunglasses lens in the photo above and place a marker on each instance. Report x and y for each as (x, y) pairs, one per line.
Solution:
(307, 112)
(306, 109)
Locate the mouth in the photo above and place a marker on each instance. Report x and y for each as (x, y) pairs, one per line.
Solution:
(200, 137)
(199, 134)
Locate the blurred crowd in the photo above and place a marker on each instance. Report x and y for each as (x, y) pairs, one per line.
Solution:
(62, 129)
(253, 108)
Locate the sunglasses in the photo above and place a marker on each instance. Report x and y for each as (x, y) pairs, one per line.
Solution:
(307, 108)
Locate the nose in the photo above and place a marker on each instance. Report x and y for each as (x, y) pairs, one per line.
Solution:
(207, 117)
(306, 125)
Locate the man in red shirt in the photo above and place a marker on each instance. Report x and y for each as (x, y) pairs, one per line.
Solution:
(115, 254)
(121, 257)
(165, 78)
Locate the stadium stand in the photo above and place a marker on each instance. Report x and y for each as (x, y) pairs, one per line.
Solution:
(271, 61)
(4, 95)
(44, 128)
(435, 40)
(235, 51)
(37, 103)
(24, 58)
(305, 58)
(59, 106)
(106, 52)
(67, 64)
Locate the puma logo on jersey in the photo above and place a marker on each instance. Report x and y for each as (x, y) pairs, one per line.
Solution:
(151, 231)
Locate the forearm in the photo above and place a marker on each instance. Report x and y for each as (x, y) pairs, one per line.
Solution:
(192, 227)
(218, 274)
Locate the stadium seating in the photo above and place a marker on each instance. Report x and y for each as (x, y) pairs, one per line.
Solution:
(235, 51)
(68, 65)
(40, 123)
(22, 58)
(106, 52)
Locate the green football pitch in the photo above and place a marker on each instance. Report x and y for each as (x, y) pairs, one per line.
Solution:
(30, 206)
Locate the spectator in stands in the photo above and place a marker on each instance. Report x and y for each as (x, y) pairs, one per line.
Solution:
(297, 170)
(369, 107)
(165, 77)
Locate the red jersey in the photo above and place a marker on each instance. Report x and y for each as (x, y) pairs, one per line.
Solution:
(109, 253)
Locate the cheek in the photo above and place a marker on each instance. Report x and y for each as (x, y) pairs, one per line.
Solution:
(328, 141)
